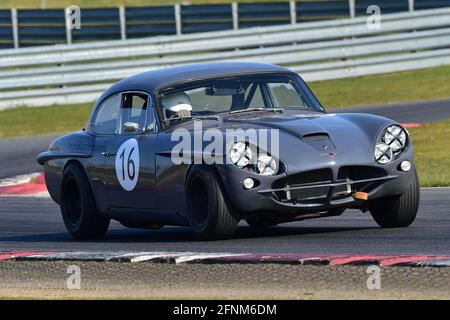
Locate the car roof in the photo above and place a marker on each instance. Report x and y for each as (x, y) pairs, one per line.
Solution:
(154, 80)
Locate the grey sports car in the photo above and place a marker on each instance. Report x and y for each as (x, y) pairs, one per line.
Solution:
(208, 145)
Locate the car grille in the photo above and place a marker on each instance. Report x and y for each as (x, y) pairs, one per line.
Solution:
(310, 194)
(321, 175)
(305, 195)
(325, 176)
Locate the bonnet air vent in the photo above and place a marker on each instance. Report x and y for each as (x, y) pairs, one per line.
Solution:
(310, 137)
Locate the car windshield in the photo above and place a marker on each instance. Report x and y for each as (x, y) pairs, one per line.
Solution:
(237, 94)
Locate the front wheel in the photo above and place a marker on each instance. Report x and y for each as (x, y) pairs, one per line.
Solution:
(399, 211)
(78, 206)
(210, 214)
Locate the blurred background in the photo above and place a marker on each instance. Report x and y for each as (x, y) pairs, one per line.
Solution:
(55, 59)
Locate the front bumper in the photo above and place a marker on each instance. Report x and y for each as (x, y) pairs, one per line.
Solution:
(318, 194)
(315, 190)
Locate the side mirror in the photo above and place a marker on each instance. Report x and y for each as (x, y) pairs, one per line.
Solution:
(130, 127)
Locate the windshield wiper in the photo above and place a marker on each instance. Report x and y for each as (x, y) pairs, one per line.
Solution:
(257, 109)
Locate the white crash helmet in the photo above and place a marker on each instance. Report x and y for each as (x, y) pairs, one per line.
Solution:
(177, 102)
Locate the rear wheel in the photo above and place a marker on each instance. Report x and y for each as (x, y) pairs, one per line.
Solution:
(210, 214)
(78, 206)
(399, 211)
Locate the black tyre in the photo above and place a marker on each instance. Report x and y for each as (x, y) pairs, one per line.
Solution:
(78, 207)
(210, 214)
(399, 211)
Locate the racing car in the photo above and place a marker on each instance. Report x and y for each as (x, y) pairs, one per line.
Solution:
(127, 164)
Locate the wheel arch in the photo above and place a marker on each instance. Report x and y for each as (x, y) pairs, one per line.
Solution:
(213, 167)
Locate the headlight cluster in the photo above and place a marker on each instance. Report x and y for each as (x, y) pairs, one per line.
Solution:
(242, 155)
(393, 141)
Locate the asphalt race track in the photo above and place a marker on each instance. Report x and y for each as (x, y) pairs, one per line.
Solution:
(18, 155)
(411, 112)
(35, 224)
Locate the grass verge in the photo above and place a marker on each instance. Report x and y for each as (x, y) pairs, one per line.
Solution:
(426, 84)
(432, 153)
(46, 120)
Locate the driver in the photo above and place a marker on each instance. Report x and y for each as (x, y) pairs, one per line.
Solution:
(177, 105)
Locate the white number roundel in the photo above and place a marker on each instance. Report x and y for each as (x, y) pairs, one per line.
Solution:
(127, 164)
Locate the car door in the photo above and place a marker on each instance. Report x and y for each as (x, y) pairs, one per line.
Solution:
(104, 127)
(129, 157)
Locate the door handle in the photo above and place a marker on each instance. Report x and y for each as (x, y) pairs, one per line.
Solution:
(106, 154)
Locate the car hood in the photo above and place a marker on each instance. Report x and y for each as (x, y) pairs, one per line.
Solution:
(304, 124)
(308, 140)
(313, 140)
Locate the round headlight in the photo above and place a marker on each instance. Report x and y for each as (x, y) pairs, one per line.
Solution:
(395, 137)
(267, 166)
(383, 153)
(240, 154)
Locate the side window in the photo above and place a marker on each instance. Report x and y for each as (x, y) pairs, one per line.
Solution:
(133, 112)
(285, 95)
(105, 120)
(254, 93)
